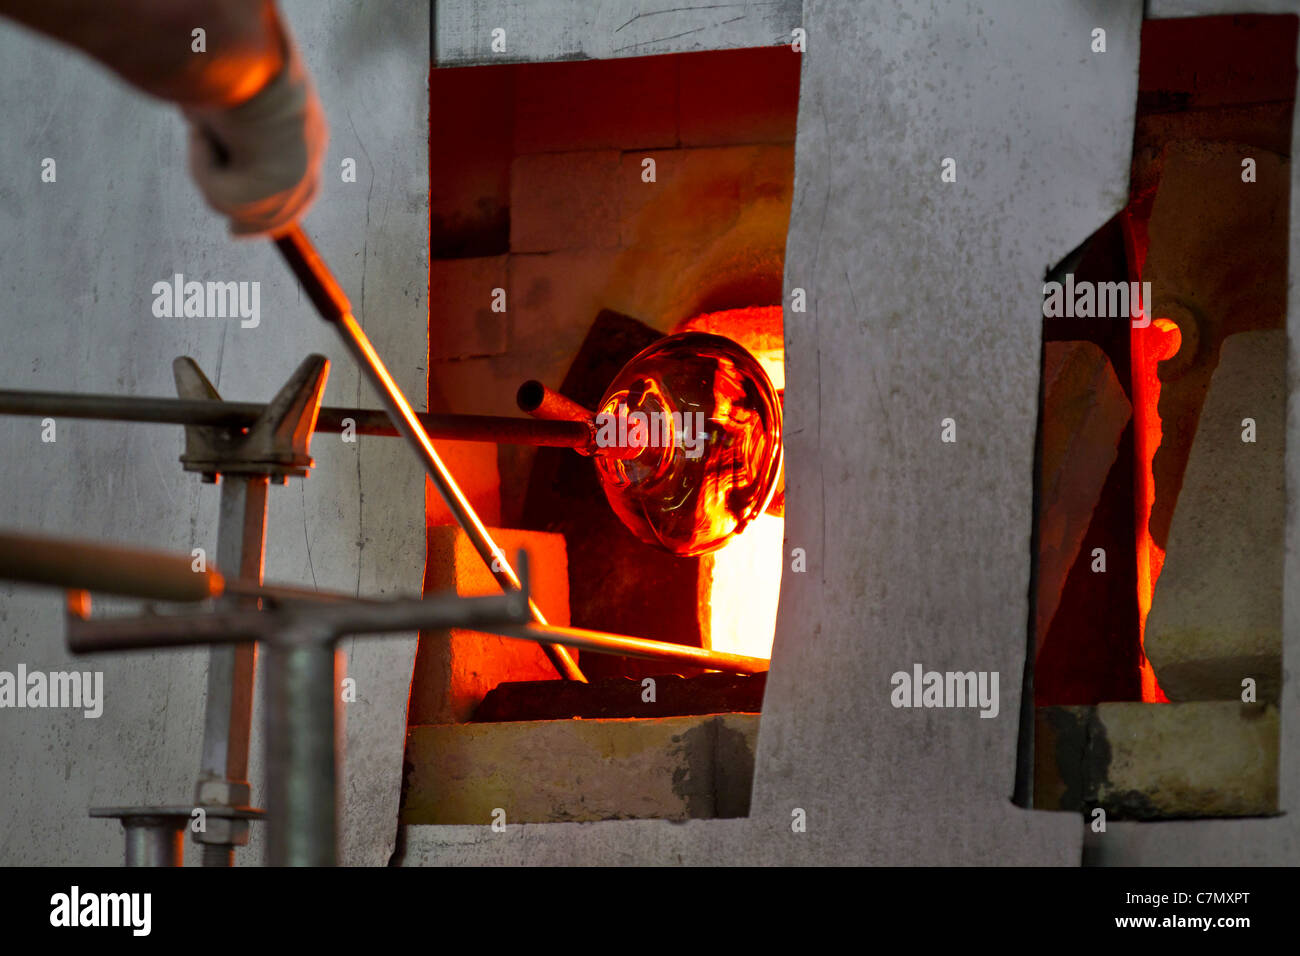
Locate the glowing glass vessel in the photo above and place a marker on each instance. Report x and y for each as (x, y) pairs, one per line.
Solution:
(691, 429)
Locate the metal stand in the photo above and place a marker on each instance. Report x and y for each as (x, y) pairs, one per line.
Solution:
(301, 629)
(244, 459)
(302, 698)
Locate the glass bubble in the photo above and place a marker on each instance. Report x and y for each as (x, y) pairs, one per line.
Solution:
(689, 437)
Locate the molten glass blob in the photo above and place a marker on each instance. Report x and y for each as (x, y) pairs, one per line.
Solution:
(690, 437)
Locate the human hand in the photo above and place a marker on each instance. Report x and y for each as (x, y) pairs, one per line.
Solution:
(258, 163)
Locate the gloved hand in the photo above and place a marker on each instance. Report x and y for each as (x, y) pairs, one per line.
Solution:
(258, 163)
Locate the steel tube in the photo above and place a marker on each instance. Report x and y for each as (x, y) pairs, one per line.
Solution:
(228, 707)
(164, 630)
(542, 403)
(333, 306)
(366, 421)
(77, 564)
(302, 751)
(440, 611)
(537, 400)
(154, 841)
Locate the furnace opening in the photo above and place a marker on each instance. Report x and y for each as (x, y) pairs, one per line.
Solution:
(581, 214)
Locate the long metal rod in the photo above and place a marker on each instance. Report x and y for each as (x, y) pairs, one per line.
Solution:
(437, 611)
(331, 420)
(541, 402)
(81, 565)
(474, 614)
(617, 644)
(228, 705)
(333, 305)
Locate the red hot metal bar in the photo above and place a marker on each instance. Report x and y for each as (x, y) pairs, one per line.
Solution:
(333, 306)
(601, 642)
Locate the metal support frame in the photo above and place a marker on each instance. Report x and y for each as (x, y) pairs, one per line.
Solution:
(300, 630)
(244, 460)
(302, 693)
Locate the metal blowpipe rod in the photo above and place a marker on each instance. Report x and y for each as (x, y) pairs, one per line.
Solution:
(177, 411)
(333, 305)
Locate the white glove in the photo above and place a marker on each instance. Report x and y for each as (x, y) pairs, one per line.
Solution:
(259, 163)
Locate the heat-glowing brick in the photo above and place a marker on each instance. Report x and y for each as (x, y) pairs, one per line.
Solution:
(454, 669)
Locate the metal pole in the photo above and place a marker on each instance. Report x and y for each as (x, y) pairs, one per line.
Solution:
(333, 305)
(219, 414)
(154, 835)
(441, 611)
(302, 749)
(106, 569)
(77, 564)
(153, 841)
(228, 713)
(541, 402)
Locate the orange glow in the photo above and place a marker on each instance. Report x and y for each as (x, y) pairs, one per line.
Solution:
(758, 328)
(743, 580)
(746, 583)
(1151, 345)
